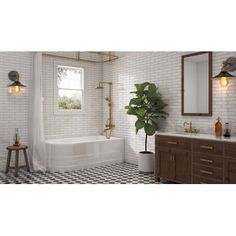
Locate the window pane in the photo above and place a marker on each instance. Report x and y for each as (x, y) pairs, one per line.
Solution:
(69, 77)
(69, 99)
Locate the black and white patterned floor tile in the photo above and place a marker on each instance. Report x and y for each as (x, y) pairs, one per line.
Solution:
(121, 173)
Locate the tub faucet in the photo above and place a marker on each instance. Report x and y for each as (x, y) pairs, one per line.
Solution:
(108, 133)
(108, 129)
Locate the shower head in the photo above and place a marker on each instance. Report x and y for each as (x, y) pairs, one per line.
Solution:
(99, 87)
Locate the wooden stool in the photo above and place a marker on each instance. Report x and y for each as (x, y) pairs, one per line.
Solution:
(17, 149)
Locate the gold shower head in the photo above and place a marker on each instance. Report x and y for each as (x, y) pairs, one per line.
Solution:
(100, 86)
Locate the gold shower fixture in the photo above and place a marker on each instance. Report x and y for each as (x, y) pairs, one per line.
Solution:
(109, 126)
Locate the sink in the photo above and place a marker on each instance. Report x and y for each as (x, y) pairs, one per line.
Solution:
(182, 133)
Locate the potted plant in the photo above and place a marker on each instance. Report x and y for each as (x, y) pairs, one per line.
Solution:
(148, 107)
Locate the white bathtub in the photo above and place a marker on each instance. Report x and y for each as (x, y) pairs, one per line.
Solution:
(83, 152)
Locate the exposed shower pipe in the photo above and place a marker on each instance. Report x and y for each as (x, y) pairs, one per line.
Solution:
(109, 126)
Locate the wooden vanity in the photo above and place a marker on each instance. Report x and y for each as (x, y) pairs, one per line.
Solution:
(196, 159)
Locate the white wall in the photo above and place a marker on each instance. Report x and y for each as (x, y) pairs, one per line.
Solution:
(14, 109)
(164, 69)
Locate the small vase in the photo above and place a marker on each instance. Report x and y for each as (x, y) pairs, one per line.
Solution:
(16, 137)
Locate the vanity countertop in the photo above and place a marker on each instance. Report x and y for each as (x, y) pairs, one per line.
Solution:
(198, 136)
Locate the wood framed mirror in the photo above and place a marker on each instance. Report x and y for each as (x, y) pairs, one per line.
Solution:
(196, 84)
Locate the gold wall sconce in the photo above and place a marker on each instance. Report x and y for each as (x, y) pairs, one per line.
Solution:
(16, 87)
(224, 75)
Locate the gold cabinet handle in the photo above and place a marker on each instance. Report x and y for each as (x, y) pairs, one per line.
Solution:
(172, 142)
(172, 157)
(206, 160)
(206, 147)
(206, 172)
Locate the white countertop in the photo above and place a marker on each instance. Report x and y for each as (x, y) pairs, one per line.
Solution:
(198, 136)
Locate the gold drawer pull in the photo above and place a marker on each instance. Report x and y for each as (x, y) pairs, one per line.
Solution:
(172, 157)
(206, 147)
(206, 160)
(206, 172)
(203, 183)
(172, 142)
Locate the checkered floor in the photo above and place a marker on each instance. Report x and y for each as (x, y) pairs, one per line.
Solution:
(122, 173)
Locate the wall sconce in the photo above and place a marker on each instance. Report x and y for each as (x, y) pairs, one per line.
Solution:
(224, 75)
(16, 87)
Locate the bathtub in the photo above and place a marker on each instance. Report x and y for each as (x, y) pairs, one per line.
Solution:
(69, 154)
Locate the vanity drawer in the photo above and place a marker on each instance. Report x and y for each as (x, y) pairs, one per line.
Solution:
(210, 147)
(208, 172)
(207, 160)
(230, 150)
(202, 180)
(173, 142)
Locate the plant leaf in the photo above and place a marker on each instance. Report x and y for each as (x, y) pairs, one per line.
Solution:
(131, 111)
(150, 129)
(136, 101)
(139, 124)
(141, 87)
(152, 88)
(140, 111)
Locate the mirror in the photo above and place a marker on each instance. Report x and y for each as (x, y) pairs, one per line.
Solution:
(196, 84)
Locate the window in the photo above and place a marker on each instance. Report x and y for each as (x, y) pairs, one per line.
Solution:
(69, 89)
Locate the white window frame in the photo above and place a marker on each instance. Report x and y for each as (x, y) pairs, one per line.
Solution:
(56, 109)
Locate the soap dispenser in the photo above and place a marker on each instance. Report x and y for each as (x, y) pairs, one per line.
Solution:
(218, 128)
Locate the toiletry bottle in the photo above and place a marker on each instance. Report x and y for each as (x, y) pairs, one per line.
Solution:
(218, 128)
(227, 131)
(16, 137)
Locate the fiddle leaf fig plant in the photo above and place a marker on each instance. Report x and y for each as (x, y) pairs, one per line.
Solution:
(148, 107)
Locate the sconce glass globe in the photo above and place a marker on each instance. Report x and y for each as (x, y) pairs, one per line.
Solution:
(224, 81)
(16, 88)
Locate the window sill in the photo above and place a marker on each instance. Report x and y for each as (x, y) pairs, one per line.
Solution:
(69, 113)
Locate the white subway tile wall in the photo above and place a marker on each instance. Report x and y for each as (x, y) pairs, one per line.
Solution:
(163, 69)
(14, 108)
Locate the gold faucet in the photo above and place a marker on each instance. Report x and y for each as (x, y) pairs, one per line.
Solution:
(109, 126)
(190, 128)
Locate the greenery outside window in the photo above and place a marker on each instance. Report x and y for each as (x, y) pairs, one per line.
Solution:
(69, 89)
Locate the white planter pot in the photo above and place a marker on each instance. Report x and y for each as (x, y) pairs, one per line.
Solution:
(146, 162)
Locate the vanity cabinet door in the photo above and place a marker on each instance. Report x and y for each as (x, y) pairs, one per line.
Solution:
(166, 167)
(182, 161)
(230, 171)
